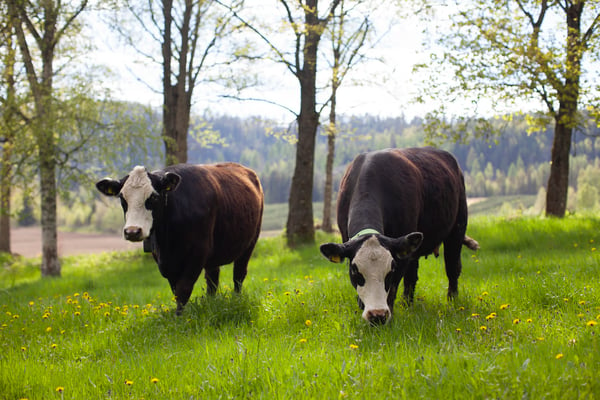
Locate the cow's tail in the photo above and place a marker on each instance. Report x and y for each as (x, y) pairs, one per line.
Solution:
(471, 243)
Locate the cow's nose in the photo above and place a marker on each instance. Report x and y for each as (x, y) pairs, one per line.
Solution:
(133, 233)
(378, 317)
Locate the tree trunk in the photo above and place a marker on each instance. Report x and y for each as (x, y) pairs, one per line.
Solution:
(300, 227)
(5, 174)
(328, 193)
(558, 182)
(177, 97)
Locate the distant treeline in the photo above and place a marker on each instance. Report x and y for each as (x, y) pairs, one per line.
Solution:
(514, 163)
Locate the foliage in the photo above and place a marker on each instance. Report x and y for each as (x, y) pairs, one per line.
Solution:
(524, 325)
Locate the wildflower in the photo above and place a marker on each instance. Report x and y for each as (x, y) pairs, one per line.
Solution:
(303, 340)
(53, 346)
(23, 348)
(591, 323)
(107, 314)
(529, 320)
(593, 249)
(582, 302)
(484, 293)
(49, 329)
(461, 308)
(580, 315)
(308, 322)
(474, 315)
(458, 330)
(128, 382)
(504, 306)
(354, 346)
(15, 316)
(491, 316)
(154, 380)
(77, 313)
(265, 279)
(287, 293)
(516, 321)
(60, 389)
(483, 328)
(559, 356)
(31, 303)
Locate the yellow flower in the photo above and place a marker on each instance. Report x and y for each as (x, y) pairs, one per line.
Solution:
(53, 345)
(581, 302)
(128, 382)
(491, 316)
(458, 330)
(559, 356)
(31, 303)
(49, 329)
(504, 306)
(303, 340)
(483, 328)
(77, 313)
(592, 323)
(23, 348)
(529, 320)
(354, 346)
(153, 380)
(516, 321)
(60, 389)
(308, 322)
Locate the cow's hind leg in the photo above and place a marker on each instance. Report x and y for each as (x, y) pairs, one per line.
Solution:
(452, 249)
(240, 268)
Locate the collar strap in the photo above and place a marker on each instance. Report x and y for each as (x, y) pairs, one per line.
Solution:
(368, 231)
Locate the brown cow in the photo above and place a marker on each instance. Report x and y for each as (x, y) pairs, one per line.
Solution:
(196, 217)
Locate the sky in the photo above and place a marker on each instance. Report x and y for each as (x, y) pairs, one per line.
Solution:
(386, 88)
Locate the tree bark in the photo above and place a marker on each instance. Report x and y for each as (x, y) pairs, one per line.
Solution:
(176, 97)
(5, 173)
(300, 223)
(327, 225)
(558, 182)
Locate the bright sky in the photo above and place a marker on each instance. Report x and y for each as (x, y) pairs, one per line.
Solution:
(386, 88)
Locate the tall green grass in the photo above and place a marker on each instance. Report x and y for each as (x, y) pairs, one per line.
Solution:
(523, 326)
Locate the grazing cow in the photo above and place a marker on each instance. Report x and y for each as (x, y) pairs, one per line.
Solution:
(195, 217)
(395, 206)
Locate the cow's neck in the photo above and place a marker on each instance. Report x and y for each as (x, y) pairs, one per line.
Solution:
(364, 215)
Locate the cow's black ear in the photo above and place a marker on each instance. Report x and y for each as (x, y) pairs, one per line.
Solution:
(333, 251)
(170, 181)
(405, 246)
(109, 187)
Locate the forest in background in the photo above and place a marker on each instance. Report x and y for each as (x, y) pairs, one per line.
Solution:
(515, 163)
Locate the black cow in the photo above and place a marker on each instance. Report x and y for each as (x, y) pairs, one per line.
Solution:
(395, 206)
(196, 217)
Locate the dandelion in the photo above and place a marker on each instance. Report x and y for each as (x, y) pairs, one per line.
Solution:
(529, 320)
(491, 316)
(77, 313)
(474, 315)
(31, 303)
(60, 389)
(308, 322)
(53, 346)
(461, 308)
(484, 293)
(593, 249)
(591, 323)
(107, 314)
(483, 328)
(128, 382)
(458, 330)
(582, 302)
(287, 293)
(559, 356)
(516, 321)
(15, 316)
(504, 306)
(23, 348)
(580, 315)
(49, 329)
(303, 340)
(354, 346)
(154, 380)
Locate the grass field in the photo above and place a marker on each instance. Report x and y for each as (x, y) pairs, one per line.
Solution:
(524, 326)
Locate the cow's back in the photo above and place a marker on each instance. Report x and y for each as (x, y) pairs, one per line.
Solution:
(402, 190)
(217, 207)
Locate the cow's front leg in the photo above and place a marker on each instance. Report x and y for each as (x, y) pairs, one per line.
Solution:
(212, 280)
(410, 281)
(183, 291)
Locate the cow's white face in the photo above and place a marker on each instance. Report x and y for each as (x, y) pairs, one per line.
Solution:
(374, 269)
(374, 263)
(135, 193)
(140, 193)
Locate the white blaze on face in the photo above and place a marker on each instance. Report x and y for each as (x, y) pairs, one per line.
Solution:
(136, 190)
(374, 262)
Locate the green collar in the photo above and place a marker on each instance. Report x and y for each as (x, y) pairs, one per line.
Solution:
(368, 231)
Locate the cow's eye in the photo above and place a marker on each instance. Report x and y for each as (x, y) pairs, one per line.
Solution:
(123, 203)
(355, 276)
(151, 201)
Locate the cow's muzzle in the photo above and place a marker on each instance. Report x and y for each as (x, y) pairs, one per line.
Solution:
(133, 234)
(377, 317)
